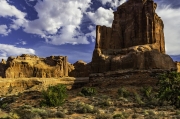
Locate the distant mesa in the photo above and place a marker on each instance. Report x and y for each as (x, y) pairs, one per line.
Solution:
(135, 41)
(26, 66)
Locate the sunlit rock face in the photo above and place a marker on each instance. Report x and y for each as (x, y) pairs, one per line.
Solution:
(135, 41)
(26, 66)
(178, 66)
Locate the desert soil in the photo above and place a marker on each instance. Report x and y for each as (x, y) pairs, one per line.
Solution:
(107, 103)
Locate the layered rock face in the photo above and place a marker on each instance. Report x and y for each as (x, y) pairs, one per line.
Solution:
(135, 23)
(33, 66)
(80, 69)
(135, 41)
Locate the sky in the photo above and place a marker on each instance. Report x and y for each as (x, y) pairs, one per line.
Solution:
(67, 27)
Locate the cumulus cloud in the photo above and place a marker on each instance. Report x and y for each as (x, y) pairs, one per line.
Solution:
(55, 26)
(101, 16)
(92, 35)
(17, 17)
(91, 27)
(113, 3)
(4, 30)
(7, 10)
(171, 18)
(59, 27)
(11, 50)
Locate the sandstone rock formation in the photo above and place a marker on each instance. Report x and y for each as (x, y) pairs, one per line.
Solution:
(135, 23)
(135, 41)
(33, 66)
(178, 66)
(80, 69)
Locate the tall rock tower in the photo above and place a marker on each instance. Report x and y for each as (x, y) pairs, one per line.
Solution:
(135, 41)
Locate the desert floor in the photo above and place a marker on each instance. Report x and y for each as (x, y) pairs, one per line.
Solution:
(117, 99)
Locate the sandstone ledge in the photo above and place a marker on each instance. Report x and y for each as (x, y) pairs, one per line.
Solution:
(131, 77)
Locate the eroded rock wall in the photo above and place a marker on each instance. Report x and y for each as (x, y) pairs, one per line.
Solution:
(135, 23)
(33, 66)
(135, 41)
(80, 69)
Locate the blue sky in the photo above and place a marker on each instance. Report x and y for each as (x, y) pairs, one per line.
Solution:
(67, 27)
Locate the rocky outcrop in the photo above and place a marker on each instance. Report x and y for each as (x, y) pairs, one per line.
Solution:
(135, 23)
(33, 66)
(178, 66)
(2, 68)
(80, 69)
(135, 41)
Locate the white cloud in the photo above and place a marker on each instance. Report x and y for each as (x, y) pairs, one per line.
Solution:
(102, 16)
(17, 17)
(11, 50)
(171, 19)
(55, 26)
(4, 30)
(92, 35)
(7, 10)
(113, 3)
(91, 27)
(21, 42)
(59, 21)
(68, 34)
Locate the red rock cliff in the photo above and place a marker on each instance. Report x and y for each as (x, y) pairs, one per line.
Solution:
(135, 23)
(135, 41)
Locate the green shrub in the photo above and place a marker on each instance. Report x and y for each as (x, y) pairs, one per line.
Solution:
(122, 92)
(86, 108)
(103, 116)
(29, 112)
(106, 102)
(26, 114)
(138, 99)
(54, 95)
(147, 91)
(88, 91)
(123, 115)
(4, 106)
(169, 88)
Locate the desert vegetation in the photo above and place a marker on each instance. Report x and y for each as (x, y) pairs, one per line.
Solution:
(116, 102)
